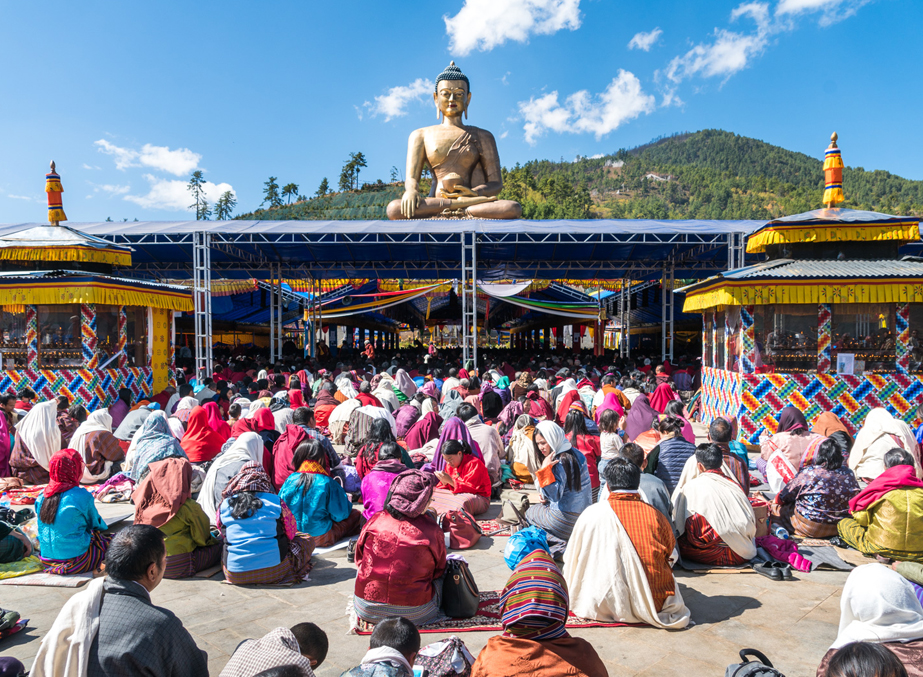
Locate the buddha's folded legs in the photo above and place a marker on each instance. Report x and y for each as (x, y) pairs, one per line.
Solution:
(434, 206)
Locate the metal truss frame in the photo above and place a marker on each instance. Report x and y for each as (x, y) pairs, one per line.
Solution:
(258, 264)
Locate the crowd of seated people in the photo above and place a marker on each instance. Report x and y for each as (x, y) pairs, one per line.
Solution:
(239, 475)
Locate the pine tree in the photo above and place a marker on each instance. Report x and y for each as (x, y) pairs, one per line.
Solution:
(224, 207)
(357, 160)
(290, 190)
(271, 193)
(196, 187)
(323, 188)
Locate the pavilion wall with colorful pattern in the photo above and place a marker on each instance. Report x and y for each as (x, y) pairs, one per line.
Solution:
(93, 388)
(756, 399)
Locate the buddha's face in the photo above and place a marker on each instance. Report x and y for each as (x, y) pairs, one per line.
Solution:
(452, 97)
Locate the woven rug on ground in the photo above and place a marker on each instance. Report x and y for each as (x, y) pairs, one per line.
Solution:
(494, 528)
(488, 620)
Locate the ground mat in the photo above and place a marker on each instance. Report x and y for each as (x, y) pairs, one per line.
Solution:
(488, 620)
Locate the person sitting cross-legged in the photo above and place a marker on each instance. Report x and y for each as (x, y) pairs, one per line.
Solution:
(393, 648)
(534, 610)
(113, 627)
(713, 516)
(619, 556)
(886, 515)
(303, 648)
(318, 502)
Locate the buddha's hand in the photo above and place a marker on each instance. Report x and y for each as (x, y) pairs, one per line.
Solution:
(410, 200)
(459, 191)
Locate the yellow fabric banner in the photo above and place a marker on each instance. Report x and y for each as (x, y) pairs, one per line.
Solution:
(855, 290)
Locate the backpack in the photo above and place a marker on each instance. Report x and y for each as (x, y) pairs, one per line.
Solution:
(758, 668)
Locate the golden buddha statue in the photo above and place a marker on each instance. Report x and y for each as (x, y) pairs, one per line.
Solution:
(464, 161)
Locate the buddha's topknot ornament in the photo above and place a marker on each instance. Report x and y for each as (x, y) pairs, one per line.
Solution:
(452, 72)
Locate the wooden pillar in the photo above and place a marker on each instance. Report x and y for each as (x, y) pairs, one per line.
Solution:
(714, 341)
(728, 358)
(123, 336)
(824, 337)
(32, 338)
(88, 335)
(902, 347)
(748, 339)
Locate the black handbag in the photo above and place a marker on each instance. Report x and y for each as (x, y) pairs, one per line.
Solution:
(460, 597)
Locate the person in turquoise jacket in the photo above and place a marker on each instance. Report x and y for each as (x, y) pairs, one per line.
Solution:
(70, 529)
(318, 502)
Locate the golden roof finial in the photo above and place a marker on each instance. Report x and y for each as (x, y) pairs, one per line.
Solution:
(833, 138)
(52, 165)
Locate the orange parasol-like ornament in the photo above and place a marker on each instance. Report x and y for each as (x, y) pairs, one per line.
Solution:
(55, 204)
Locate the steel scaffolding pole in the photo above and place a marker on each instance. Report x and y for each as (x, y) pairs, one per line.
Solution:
(672, 306)
(272, 314)
(279, 310)
(469, 297)
(736, 250)
(202, 299)
(666, 307)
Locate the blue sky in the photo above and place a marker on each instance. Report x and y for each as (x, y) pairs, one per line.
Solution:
(130, 98)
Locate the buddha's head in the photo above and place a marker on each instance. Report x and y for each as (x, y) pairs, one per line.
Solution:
(452, 94)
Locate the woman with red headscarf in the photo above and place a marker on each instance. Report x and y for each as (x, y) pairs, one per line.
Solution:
(69, 526)
(662, 396)
(263, 424)
(200, 442)
(215, 421)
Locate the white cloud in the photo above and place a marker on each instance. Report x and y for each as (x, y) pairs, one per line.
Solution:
(172, 195)
(644, 41)
(177, 162)
(832, 10)
(394, 103)
(729, 52)
(485, 24)
(86, 166)
(623, 100)
(20, 197)
(124, 157)
(505, 134)
(597, 156)
(112, 189)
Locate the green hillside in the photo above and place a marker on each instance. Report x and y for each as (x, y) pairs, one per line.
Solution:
(709, 174)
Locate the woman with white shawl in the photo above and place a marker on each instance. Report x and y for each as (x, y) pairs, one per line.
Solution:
(38, 438)
(282, 417)
(247, 448)
(345, 386)
(339, 418)
(879, 605)
(880, 433)
(97, 446)
(385, 394)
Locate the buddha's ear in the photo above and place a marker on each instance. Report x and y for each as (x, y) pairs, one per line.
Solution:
(467, 103)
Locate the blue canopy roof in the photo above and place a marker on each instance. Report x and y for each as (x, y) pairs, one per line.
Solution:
(431, 249)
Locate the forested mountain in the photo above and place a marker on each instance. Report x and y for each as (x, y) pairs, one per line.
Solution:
(709, 174)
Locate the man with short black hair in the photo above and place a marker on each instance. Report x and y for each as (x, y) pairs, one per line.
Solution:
(714, 519)
(304, 647)
(720, 432)
(487, 438)
(651, 488)
(619, 557)
(393, 648)
(132, 636)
